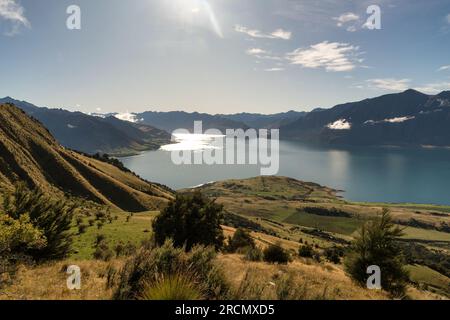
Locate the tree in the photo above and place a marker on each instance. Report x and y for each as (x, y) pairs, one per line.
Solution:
(240, 239)
(306, 251)
(190, 220)
(276, 254)
(52, 217)
(376, 244)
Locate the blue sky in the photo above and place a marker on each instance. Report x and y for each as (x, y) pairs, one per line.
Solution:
(220, 56)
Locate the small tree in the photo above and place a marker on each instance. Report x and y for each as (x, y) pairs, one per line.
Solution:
(240, 239)
(190, 220)
(306, 251)
(50, 216)
(276, 254)
(376, 245)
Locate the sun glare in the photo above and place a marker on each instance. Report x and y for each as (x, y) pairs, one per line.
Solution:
(198, 12)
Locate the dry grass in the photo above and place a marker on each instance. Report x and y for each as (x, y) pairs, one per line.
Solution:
(48, 282)
(317, 281)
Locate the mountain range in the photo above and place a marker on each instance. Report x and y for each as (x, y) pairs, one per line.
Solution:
(30, 154)
(409, 118)
(90, 134)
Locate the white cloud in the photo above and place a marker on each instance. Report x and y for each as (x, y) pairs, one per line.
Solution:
(391, 120)
(282, 34)
(389, 84)
(346, 17)
(255, 51)
(340, 124)
(448, 18)
(333, 56)
(126, 116)
(443, 68)
(434, 88)
(398, 119)
(15, 13)
(262, 54)
(254, 33)
(274, 69)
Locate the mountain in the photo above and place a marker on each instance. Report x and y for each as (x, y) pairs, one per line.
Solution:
(170, 121)
(29, 153)
(266, 121)
(409, 118)
(90, 134)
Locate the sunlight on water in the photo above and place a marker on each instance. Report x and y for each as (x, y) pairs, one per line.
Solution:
(194, 142)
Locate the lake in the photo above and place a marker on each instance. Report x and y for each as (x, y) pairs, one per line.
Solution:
(374, 174)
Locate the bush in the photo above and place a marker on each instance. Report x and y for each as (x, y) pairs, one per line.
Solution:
(253, 254)
(306, 251)
(122, 249)
(53, 218)
(103, 252)
(334, 254)
(82, 228)
(172, 287)
(190, 220)
(240, 239)
(376, 245)
(145, 271)
(276, 254)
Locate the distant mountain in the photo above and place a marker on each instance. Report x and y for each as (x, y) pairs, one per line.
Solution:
(267, 121)
(30, 154)
(409, 118)
(92, 134)
(170, 121)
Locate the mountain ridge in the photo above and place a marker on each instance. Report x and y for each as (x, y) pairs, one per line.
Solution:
(30, 154)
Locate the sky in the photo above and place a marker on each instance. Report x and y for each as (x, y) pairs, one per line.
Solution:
(220, 56)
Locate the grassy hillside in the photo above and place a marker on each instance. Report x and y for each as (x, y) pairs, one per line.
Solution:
(294, 211)
(30, 154)
(91, 134)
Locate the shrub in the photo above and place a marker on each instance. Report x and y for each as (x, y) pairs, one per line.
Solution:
(276, 254)
(147, 268)
(240, 239)
(190, 220)
(53, 218)
(79, 220)
(103, 252)
(334, 254)
(91, 222)
(376, 245)
(253, 254)
(82, 228)
(122, 249)
(172, 287)
(306, 251)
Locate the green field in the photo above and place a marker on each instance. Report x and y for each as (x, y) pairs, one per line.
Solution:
(429, 277)
(340, 225)
(137, 229)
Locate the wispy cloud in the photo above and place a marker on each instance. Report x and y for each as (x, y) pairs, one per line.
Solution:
(434, 88)
(448, 18)
(332, 56)
(346, 17)
(262, 54)
(255, 51)
(13, 12)
(274, 69)
(389, 84)
(254, 33)
(443, 68)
